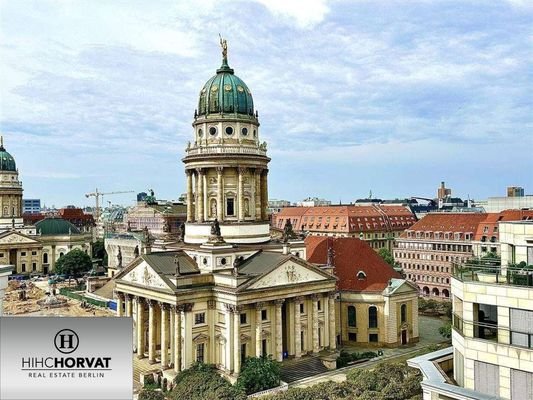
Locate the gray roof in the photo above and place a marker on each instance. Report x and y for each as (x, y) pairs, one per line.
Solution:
(262, 262)
(163, 262)
(106, 291)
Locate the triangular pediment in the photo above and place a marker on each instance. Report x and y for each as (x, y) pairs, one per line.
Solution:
(403, 287)
(289, 273)
(143, 274)
(14, 237)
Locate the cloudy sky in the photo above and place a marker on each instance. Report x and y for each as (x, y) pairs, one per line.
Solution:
(390, 96)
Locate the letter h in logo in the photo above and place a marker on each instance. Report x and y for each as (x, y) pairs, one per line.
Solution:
(66, 341)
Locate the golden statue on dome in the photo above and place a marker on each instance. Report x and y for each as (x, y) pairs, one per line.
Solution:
(224, 45)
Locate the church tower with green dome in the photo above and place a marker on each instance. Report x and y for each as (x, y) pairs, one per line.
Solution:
(10, 191)
(226, 164)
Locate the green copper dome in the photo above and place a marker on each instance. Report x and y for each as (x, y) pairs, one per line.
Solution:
(56, 226)
(7, 162)
(225, 93)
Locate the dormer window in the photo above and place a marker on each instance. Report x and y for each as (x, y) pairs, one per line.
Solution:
(361, 276)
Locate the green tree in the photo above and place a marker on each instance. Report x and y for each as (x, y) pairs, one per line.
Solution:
(259, 373)
(201, 382)
(74, 263)
(99, 251)
(446, 330)
(150, 394)
(387, 257)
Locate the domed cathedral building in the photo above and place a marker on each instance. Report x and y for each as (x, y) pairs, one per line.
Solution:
(226, 291)
(227, 165)
(10, 191)
(31, 248)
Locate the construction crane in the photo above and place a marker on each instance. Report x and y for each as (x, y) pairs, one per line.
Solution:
(97, 195)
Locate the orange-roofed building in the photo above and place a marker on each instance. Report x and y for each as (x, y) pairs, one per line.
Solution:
(487, 237)
(427, 250)
(376, 224)
(376, 305)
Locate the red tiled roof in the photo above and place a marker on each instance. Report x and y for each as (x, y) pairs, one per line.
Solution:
(448, 222)
(486, 227)
(74, 213)
(352, 255)
(353, 219)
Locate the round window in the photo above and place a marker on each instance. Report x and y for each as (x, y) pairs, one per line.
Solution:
(244, 131)
(229, 130)
(223, 261)
(212, 131)
(200, 133)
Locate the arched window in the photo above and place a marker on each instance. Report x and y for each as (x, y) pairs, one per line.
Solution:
(45, 258)
(351, 316)
(372, 317)
(61, 254)
(361, 276)
(403, 313)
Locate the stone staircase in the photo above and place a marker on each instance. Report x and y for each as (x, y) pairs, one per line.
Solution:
(294, 370)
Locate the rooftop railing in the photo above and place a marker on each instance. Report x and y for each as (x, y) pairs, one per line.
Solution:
(491, 272)
(226, 149)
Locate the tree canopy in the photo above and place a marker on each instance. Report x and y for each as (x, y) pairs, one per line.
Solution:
(259, 373)
(74, 263)
(201, 382)
(99, 251)
(387, 256)
(385, 382)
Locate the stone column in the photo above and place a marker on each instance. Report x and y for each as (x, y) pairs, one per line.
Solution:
(220, 194)
(240, 194)
(120, 303)
(230, 349)
(177, 338)
(316, 342)
(188, 356)
(257, 193)
(164, 335)
(205, 200)
(172, 337)
(331, 321)
(237, 340)
(190, 197)
(279, 331)
(140, 327)
(151, 331)
(258, 330)
(297, 328)
(128, 298)
(264, 194)
(200, 194)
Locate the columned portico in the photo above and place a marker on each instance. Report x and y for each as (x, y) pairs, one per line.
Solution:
(140, 327)
(316, 342)
(279, 330)
(190, 197)
(129, 304)
(220, 193)
(200, 195)
(332, 328)
(297, 328)
(164, 335)
(236, 341)
(151, 331)
(258, 329)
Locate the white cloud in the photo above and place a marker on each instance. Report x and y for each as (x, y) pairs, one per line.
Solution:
(306, 13)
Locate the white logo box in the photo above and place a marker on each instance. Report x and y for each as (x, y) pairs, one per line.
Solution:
(63, 358)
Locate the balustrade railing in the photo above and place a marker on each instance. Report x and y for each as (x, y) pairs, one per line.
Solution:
(225, 149)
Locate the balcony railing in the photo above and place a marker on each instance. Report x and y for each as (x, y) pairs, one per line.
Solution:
(493, 274)
(226, 149)
(489, 331)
